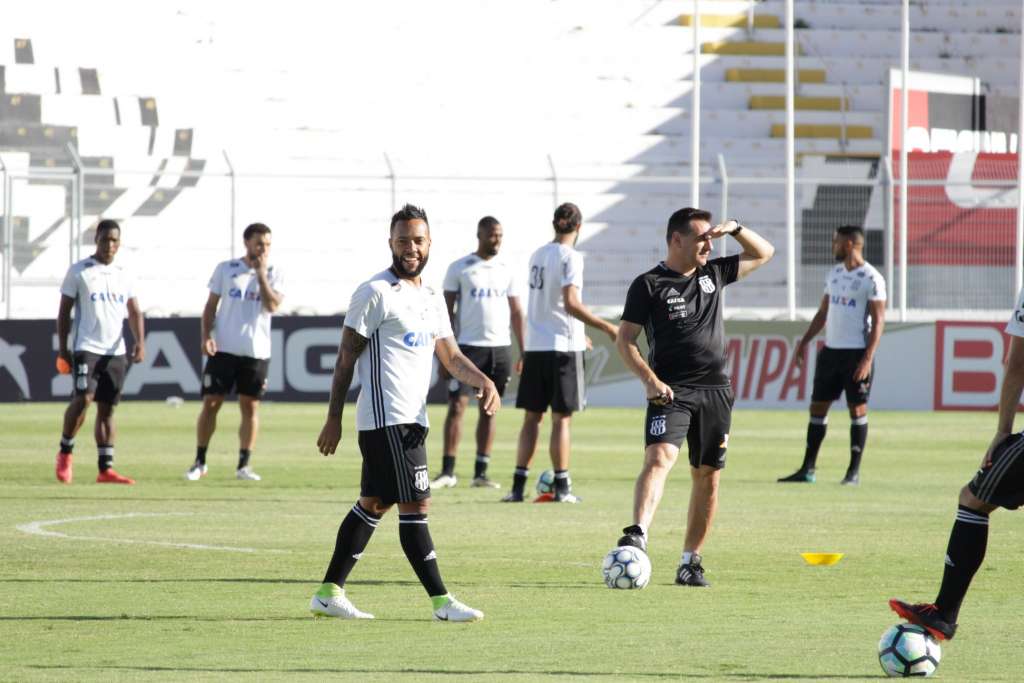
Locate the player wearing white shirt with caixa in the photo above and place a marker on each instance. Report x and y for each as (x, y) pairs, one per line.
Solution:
(852, 311)
(102, 295)
(481, 291)
(244, 293)
(553, 363)
(394, 326)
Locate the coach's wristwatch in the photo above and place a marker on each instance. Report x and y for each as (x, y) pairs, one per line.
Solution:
(739, 228)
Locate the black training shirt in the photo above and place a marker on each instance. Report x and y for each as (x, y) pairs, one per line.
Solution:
(682, 318)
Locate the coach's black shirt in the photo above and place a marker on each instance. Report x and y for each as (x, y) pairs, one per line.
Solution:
(682, 317)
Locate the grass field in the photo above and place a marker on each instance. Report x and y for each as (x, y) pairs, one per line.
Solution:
(78, 607)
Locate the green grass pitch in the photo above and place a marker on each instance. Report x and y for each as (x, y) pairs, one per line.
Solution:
(76, 607)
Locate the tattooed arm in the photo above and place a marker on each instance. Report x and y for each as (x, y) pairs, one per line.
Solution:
(462, 369)
(352, 345)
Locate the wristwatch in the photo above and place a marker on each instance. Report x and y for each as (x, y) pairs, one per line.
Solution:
(738, 230)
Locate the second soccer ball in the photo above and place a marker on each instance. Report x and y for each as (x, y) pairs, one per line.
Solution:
(546, 482)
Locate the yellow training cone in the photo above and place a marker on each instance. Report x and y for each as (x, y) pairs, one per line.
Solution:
(821, 558)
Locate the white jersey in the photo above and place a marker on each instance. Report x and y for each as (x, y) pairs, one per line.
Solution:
(402, 322)
(549, 327)
(101, 293)
(483, 287)
(242, 326)
(849, 291)
(1016, 325)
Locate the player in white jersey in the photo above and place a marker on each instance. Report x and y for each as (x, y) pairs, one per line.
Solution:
(553, 363)
(481, 291)
(102, 295)
(244, 293)
(394, 326)
(852, 311)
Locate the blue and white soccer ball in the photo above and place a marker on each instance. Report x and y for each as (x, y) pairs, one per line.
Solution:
(546, 482)
(626, 567)
(907, 650)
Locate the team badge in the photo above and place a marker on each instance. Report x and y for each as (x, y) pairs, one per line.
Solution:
(707, 285)
(657, 425)
(420, 481)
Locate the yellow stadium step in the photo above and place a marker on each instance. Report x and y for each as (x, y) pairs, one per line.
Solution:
(748, 48)
(773, 75)
(800, 102)
(732, 20)
(824, 130)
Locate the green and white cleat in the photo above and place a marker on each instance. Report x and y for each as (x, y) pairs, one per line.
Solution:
(196, 472)
(453, 610)
(444, 481)
(246, 474)
(331, 602)
(484, 483)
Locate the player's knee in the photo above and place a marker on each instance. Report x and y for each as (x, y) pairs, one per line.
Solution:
(968, 499)
(660, 457)
(533, 418)
(456, 408)
(104, 410)
(212, 402)
(859, 410)
(248, 406)
(819, 408)
(374, 505)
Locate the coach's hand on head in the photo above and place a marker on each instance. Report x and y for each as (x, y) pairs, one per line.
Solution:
(489, 399)
(330, 436)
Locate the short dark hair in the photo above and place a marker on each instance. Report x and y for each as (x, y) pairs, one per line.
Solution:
(489, 222)
(106, 224)
(851, 232)
(255, 229)
(570, 213)
(680, 221)
(409, 213)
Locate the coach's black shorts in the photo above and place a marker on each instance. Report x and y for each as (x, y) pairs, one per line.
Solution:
(702, 416)
(101, 377)
(1001, 481)
(226, 371)
(493, 361)
(395, 463)
(833, 374)
(552, 378)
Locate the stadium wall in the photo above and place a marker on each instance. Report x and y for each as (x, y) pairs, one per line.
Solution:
(948, 365)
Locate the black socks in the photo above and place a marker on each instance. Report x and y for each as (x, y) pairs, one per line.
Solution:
(519, 480)
(353, 535)
(243, 457)
(858, 437)
(964, 555)
(419, 549)
(106, 457)
(816, 428)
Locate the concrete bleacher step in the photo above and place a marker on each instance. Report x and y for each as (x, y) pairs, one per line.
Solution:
(756, 75)
(737, 20)
(745, 47)
(805, 102)
(824, 130)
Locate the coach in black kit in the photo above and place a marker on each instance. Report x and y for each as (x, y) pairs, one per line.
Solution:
(678, 305)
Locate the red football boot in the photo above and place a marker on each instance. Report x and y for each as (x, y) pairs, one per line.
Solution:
(111, 477)
(63, 468)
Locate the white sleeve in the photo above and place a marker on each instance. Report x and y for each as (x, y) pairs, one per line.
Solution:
(877, 292)
(1016, 325)
(69, 287)
(444, 323)
(572, 270)
(277, 281)
(365, 311)
(451, 277)
(215, 281)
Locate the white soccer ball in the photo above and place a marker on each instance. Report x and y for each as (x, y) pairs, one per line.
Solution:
(546, 482)
(907, 650)
(626, 567)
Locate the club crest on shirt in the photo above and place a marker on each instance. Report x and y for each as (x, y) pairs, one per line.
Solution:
(657, 425)
(707, 285)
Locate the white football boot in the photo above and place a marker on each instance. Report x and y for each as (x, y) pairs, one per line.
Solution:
(444, 481)
(337, 606)
(196, 472)
(454, 610)
(246, 474)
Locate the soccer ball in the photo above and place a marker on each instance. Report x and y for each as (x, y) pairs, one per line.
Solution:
(546, 482)
(907, 650)
(626, 567)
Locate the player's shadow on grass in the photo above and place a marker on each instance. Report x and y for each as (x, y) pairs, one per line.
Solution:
(457, 672)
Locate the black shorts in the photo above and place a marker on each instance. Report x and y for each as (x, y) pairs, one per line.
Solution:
(552, 378)
(493, 361)
(1001, 481)
(101, 377)
(702, 416)
(395, 463)
(833, 374)
(226, 372)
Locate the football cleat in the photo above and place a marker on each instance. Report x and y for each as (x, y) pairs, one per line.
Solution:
(453, 610)
(109, 476)
(633, 536)
(246, 474)
(692, 574)
(444, 481)
(337, 606)
(513, 497)
(484, 483)
(63, 468)
(851, 479)
(196, 472)
(567, 497)
(925, 615)
(800, 477)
